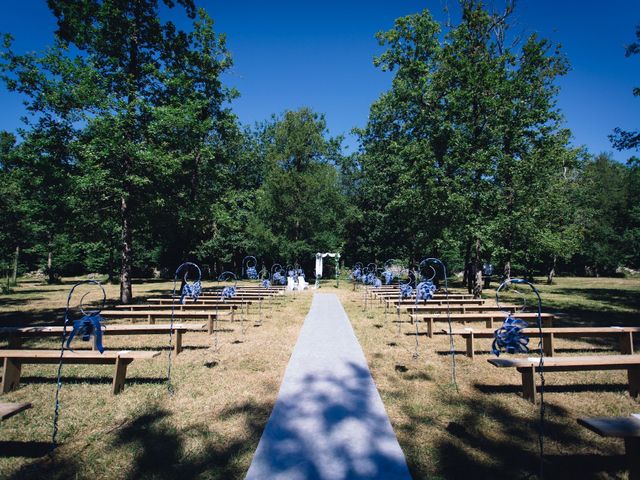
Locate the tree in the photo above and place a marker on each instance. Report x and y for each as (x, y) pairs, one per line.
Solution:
(602, 203)
(624, 139)
(149, 101)
(465, 142)
(300, 206)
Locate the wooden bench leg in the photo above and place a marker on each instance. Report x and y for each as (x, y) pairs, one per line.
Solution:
(528, 384)
(634, 381)
(120, 375)
(178, 345)
(489, 322)
(210, 324)
(547, 322)
(430, 327)
(470, 345)
(632, 449)
(547, 344)
(626, 343)
(10, 374)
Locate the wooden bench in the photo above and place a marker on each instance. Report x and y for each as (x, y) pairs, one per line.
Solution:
(14, 359)
(442, 309)
(10, 409)
(490, 318)
(528, 366)
(394, 302)
(15, 335)
(620, 427)
(152, 315)
(625, 335)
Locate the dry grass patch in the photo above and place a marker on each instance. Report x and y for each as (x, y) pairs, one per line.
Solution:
(486, 429)
(209, 428)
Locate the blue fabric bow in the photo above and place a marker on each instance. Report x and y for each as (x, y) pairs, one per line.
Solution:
(406, 290)
(355, 275)
(266, 283)
(425, 290)
(252, 273)
(388, 276)
(278, 277)
(377, 283)
(228, 292)
(509, 337)
(192, 290)
(87, 327)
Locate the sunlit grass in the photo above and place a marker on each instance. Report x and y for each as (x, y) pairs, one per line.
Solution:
(212, 424)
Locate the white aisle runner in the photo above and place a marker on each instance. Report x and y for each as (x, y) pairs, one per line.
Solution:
(328, 421)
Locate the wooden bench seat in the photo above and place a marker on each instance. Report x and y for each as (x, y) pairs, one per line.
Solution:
(8, 410)
(14, 359)
(490, 319)
(152, 315)
(395, 302)
(528, 366)
(178, 307)
(627, 428)
(624, 334)
(456, 308)
(15, 335)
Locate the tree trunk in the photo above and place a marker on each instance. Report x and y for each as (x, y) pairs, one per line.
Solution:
(126, 294)
(467, 257)
(552, 271)
(507, 271)
(14, 275)
(477, 279)
(52, 277)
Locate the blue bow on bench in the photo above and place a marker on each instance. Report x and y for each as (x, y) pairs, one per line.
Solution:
(278, 277)
(252, 273)
(192, 290)
(228, 292)
(425, 291)
(87, 327)
(509, 337)
(406, 290)
(266, 283)
(388, 276)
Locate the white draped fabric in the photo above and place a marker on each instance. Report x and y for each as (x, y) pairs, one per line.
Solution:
(319, 261)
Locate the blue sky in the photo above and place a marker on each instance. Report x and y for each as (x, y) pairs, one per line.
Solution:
(320, 54)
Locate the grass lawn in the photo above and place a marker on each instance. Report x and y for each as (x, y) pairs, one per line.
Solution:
(211, 426)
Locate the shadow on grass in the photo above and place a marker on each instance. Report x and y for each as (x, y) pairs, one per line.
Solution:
(24, 449)
(490, 440)
(575, 388)
(17, 302)
(611, 296)
(44, 316)
(160, 451)
(93, 380)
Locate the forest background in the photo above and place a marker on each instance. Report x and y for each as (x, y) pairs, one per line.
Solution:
(131, 159)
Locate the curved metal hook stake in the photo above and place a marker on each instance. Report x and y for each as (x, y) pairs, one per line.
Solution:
(81, 304)
(56, 411)
(245, 263)
(431, 261)
(186, 273)
(225, 276)
(520, 281)
(516, 282)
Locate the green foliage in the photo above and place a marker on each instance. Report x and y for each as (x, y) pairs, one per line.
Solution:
(466, 148)
(625, 139)
(300, 207)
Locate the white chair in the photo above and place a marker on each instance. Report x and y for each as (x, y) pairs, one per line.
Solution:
(291, 284)
(302, 283)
